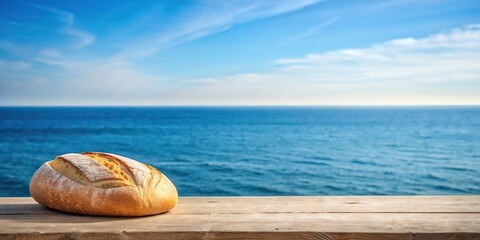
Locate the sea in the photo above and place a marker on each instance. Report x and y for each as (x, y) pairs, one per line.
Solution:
(259, 151)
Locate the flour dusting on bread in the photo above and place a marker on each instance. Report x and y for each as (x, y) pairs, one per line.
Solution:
(90, 168)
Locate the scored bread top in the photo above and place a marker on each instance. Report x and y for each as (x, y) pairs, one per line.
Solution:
(102, 170)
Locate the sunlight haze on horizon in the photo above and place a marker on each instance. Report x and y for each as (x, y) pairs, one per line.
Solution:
(289, 52)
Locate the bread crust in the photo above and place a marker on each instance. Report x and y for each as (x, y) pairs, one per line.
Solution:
(155, 195)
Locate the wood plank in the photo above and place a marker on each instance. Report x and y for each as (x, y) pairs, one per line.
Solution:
(359, 217)
(199, 205)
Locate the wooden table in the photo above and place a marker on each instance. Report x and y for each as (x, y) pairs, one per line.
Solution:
(359, 217)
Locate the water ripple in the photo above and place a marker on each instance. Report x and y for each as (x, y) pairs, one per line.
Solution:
(259, 151)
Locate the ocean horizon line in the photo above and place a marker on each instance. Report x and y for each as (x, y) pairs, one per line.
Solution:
(245, 106)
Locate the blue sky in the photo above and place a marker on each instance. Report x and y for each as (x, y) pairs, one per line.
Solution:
(285, 52)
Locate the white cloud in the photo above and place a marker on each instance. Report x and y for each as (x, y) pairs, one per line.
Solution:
(429, 50)
(464, 38)
(109, 81)
(438, 69)
(442, 68)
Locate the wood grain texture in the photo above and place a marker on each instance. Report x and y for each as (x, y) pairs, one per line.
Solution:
(365, 217)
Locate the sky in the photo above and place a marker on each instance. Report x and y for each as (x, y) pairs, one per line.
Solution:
(282, 52)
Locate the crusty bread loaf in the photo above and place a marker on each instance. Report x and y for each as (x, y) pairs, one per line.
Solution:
(102, 184)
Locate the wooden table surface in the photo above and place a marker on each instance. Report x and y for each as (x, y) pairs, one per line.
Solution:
(358, 217)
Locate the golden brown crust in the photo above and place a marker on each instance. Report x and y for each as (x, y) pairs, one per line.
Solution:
(71, 184)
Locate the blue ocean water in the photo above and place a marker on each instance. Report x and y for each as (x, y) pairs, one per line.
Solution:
(259, 151)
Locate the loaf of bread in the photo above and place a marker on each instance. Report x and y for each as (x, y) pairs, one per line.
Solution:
(106, 184)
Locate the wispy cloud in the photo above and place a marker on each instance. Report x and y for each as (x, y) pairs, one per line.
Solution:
(208, 19)
(14, 65)
(103, 81)
(50, 53)
(431, 70)
(57, 62)
(314, 29)
(15, 24)
(82, 38)
(14, 48)
(63, 16)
